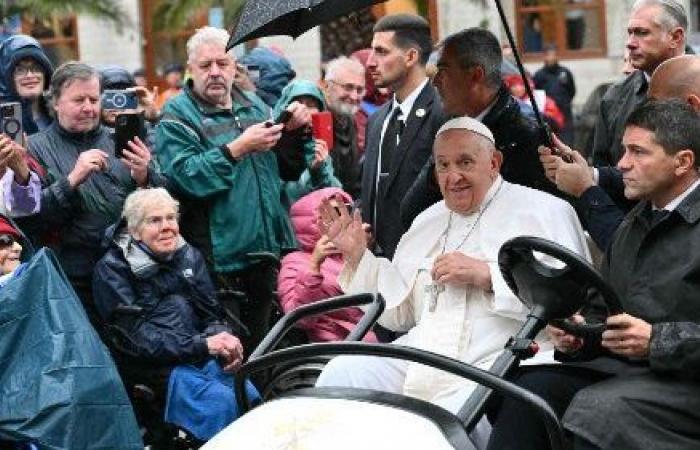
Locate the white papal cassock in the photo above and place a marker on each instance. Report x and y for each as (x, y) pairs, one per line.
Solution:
(468, 324)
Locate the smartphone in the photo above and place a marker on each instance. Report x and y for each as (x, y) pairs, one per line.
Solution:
(11, 121)
(349, 206)
(281, 119)
(127, 127)
(322, 127)
(119, 100)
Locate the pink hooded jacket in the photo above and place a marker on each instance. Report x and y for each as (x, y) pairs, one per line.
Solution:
(297, 286)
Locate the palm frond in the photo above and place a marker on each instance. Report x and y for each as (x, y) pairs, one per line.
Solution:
(105, 9)
(175, 13)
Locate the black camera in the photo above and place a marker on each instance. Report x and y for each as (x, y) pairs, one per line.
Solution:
(11, 120)
(112, 99)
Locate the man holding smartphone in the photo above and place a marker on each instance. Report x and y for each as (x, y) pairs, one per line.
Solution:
(86, 183)
(213, 143)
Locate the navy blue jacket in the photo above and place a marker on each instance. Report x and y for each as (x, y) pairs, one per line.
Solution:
(177, 297)
(12, 50)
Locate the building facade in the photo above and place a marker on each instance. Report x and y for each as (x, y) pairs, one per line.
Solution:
(590, 35)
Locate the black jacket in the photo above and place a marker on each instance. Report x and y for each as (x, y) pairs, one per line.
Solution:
(177, 297)
(78, 218)
(415, 147)
(516, 137)
(617, 104)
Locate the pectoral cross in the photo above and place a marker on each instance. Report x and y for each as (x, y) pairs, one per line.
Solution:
(434, 290)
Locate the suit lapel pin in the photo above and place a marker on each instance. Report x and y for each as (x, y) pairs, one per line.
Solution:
(420, 112)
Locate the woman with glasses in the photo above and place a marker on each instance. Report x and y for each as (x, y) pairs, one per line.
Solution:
(25, 72)
(162, 318)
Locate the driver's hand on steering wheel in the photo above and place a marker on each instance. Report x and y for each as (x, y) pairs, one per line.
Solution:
(563, 341)
(627, 336)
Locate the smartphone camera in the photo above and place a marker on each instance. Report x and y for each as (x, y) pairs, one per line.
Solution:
(119, 100)
(11, 120)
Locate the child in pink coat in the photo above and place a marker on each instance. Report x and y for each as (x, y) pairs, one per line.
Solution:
(311, 274)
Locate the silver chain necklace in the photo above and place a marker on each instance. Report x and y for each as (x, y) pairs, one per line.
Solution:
(434, 289)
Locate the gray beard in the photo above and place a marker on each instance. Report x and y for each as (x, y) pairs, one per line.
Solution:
(344, 109)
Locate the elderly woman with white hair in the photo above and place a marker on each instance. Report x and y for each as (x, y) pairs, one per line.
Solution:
(443, 287)
(153, 292)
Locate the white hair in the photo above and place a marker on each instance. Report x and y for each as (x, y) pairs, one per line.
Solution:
(206, 35)
(139, 202)
(672, 15)
(343, 62)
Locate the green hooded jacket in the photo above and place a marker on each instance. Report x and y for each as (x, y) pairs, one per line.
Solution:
(311, 179)
(230, 208)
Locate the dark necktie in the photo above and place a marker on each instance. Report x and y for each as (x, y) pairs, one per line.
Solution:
(391, 135)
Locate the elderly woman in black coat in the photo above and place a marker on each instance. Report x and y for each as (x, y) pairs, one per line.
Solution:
(162, 318)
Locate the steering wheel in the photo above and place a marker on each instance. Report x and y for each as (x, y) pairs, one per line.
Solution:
(555, 293)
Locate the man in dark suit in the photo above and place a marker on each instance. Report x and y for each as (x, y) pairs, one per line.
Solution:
(400, 134)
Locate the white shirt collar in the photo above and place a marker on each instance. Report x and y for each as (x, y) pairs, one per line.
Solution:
(482, 114)
(407, 104)
(673, 204)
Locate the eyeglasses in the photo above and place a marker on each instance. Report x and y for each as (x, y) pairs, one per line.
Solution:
(23, 70)
(159, 221)
(350, 88)
(6, 240)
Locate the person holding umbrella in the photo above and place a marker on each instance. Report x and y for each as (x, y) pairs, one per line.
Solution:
(213, 143)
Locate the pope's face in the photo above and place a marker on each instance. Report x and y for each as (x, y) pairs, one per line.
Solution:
(466, 166)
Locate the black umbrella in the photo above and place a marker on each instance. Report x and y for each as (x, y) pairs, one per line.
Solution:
(259, 18)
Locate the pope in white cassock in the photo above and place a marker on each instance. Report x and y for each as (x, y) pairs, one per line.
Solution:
(444, 287)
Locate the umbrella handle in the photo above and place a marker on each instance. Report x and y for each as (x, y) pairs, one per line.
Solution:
(544, 129)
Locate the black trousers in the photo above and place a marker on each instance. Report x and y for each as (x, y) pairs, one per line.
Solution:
(518, 426)
(258, 282)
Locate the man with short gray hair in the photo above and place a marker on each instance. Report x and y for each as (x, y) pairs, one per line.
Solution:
(343, 88)
(656, 32)
(214, 145)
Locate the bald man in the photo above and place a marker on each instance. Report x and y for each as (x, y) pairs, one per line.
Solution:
(600, 192)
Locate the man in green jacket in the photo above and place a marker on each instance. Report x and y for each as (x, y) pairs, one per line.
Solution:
(214, 143)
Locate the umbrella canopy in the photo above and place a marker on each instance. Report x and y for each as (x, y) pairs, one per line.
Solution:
(259, 18)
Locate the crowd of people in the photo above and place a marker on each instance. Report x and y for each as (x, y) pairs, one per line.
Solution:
(424, 179)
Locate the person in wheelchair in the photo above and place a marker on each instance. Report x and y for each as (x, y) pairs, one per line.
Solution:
(636, 386)
(162, 318)
(444, 288)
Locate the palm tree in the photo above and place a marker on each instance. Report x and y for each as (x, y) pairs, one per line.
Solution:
(107, 9)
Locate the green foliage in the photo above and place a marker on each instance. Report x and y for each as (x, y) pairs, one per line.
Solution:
(174, 14)
(106, 9)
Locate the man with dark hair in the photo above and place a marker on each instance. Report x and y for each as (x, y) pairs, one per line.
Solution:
(400, 134)
(469, 82)
(656, 32)
(637, 386)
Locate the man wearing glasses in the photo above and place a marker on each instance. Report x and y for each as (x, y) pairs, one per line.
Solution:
(343, 88)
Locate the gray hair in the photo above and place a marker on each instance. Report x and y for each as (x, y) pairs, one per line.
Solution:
(477, 47)
(343, 62)
(66, 74)
(206, 35)
(139, 202)
(672, 15)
